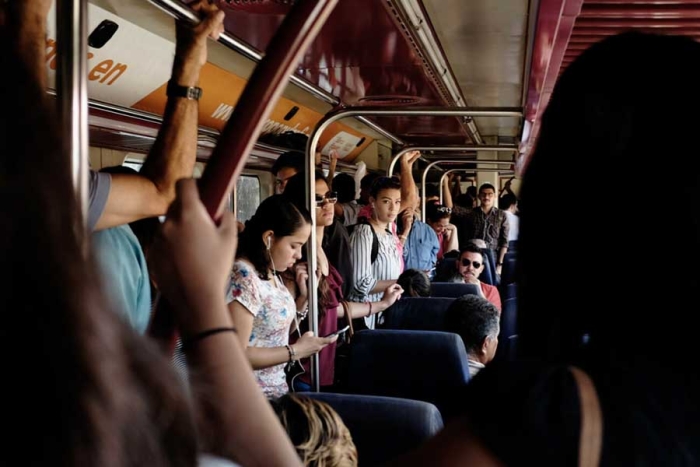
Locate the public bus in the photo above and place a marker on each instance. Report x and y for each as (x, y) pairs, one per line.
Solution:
(463, 82)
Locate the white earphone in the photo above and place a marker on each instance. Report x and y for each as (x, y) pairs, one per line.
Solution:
(269, 241)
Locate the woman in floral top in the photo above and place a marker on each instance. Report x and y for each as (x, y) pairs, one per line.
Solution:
(261, 306)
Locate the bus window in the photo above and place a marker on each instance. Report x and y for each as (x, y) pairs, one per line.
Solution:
(247, 196)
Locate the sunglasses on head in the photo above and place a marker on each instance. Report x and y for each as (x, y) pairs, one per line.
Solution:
(330, 197)
(466, 263)
(444, 209)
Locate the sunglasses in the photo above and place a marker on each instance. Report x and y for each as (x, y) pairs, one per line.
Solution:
(444, 209)
(466, 263)
(330, 197)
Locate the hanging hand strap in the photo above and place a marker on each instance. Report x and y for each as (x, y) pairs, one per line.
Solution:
(591, 435)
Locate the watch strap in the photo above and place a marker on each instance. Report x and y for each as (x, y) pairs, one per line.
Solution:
(188, 92)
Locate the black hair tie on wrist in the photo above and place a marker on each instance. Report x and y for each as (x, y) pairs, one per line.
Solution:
(190, 341)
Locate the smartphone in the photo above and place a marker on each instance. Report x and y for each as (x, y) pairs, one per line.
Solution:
(102, 33)
(338, 332)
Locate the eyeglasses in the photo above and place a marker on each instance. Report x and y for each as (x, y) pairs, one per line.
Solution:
(330, 197)
(444, 209)
(466, 263)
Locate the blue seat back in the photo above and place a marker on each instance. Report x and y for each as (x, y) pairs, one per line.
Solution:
(488, 275)
(430, 366)
(383, 428)
(508, 337)
(417, 313)
(452, 289)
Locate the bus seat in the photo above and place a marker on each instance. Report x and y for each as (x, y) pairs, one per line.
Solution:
(508, 270)
(452, 289)
(507, 338)
(430, 366)
(383, 428)
(417, 313)
(488, 275)
(508, 291)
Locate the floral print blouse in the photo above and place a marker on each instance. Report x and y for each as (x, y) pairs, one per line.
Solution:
(273, 309)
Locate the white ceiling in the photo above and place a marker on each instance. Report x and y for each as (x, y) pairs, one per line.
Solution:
(485, 42)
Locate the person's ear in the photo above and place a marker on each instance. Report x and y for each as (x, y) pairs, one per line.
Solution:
(267, 238)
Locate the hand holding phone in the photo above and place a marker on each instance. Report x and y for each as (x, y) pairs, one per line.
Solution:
(338, 332)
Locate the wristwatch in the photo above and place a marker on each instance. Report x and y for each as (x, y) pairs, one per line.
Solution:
(499, 264)
(188, 92)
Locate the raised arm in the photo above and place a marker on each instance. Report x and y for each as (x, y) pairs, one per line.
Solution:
(446, 192)
(174, 152)
(409, 192)
(192, 259)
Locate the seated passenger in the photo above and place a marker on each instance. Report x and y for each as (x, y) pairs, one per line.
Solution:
(629, 402)
(319, 434)
(262, 308)
(414, 283)
(476, 320)
(469, 266)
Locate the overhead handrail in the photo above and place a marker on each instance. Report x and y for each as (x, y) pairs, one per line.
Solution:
(447, 172)
(463, 147)
(299, 27)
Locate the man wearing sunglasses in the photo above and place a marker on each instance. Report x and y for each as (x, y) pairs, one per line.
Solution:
(470, 266)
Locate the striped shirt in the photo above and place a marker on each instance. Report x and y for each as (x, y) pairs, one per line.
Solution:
(366, 274)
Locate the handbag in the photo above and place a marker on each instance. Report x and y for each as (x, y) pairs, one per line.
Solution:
(293, 369)
(591, 432)
(342, 353)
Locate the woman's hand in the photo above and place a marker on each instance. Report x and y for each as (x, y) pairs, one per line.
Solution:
(308, 344)
(192, 256)
(391, 294)
(301, 276)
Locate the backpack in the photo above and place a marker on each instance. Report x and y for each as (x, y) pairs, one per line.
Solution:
(375, 239)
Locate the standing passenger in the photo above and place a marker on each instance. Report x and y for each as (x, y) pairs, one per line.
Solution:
(636, 347)
(330, 295)
(263, 310)
(372, 277)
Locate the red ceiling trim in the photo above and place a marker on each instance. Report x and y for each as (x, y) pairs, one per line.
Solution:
(555, 23)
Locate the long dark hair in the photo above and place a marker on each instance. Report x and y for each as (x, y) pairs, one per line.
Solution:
(601, 116)
(82, 388)
(295, 191)
(275, 213)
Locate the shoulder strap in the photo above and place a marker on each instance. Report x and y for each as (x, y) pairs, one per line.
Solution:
(591, 435)
(348, 318)
(375, 239)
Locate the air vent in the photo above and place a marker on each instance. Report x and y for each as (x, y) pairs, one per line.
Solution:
(261, 7)
(392, 100)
